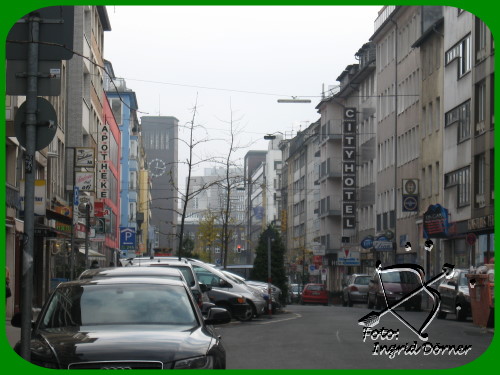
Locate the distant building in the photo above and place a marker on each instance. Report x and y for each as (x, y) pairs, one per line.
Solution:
(160, 142)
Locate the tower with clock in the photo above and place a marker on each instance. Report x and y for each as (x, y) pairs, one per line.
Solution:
(159, 137)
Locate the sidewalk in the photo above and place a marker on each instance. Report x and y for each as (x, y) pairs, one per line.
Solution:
(13, 333)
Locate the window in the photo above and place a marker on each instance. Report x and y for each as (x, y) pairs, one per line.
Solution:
(480, 174)
(461, 179)
(460, 114)
(462, 53)
(480, 107)
(116, 107)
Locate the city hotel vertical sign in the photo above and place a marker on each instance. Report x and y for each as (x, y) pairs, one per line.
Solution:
(349, 169)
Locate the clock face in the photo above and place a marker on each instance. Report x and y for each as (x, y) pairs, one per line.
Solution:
(157, 167)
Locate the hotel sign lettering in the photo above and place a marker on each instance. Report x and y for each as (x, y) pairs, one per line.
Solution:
(349, 169)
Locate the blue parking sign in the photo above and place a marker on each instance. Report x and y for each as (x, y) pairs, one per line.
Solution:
(127, 238)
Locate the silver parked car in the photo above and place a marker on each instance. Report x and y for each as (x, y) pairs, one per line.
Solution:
(355, 289)
(216, 279)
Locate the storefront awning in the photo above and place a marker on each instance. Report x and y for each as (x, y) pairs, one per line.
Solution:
(92, 253)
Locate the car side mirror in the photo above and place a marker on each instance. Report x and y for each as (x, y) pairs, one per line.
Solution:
(217, 315)
(205, 288)
(224, 284)
(16, 321)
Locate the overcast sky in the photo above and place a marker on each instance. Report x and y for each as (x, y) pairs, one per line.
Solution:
(240, 58)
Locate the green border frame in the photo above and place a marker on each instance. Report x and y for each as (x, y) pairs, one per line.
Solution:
(488, 11)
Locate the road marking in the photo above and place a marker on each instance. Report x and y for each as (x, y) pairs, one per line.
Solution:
(281, 320)
(338, 337)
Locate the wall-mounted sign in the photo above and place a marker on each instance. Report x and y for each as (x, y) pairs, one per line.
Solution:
(436, 222)
(84, 181)
(348, 257)
(349, 169)
(84, 157)
(40, 194)
(103, 146)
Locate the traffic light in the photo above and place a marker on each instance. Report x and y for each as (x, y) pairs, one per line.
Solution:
(238, 249)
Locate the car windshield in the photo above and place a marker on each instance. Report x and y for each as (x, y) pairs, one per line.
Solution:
(399, 277)
(362, 280)
(462, 280)
(119, 304)
(295, 288)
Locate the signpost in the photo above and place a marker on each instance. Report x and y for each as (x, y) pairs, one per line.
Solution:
(45, 34)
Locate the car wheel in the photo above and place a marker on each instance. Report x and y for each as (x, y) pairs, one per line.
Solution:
(248, 315)
(461, 313)
(349, 302)
(441, 314)
(344, 302)
(370, 303)
(302, 302)
(378, 303)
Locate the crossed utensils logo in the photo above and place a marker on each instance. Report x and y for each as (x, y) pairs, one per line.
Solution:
(373, 318)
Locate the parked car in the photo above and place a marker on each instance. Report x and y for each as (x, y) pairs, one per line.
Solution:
(314, 293)
(218, 280)
(125, 323)
(455, 298)
(355, 289)
(294, 293)
(99, 273)
(262, 287)
(143, 271)
(198, 289)
(235, 303)
(397, 284)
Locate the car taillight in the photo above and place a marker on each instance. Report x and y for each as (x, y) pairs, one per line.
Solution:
(241, 300)
(354, 288)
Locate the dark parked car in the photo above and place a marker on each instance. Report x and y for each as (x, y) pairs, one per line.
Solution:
(397, 284)
(314, 293)
(235, 303)
(355, 289)
(125, 323)
(455, 297)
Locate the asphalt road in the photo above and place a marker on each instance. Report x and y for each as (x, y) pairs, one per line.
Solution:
(329, 337)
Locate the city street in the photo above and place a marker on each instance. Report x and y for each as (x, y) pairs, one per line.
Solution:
(321, 337)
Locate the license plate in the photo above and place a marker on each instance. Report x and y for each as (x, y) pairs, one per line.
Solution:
(315, 293)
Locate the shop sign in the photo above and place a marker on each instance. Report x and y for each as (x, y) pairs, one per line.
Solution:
(480, 222)
(382, 243)
(40, 194)
(348, 257)
(435, 222)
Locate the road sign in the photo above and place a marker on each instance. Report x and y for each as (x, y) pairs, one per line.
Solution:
(55, 39)
(471, 239)
(127, 238)
(46, 124)
(49, 82)
(410, 203)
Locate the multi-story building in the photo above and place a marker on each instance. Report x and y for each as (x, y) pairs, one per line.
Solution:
(124, 106)
(79, 111)
(365, 82)
(160, 142)
(253, 160)
(480, 225)
(429, 186)
(300, 224)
